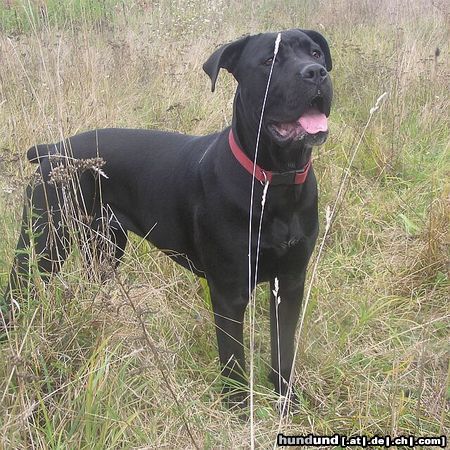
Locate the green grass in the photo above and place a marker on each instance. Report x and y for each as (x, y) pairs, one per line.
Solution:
(373, 356)
(25, 16)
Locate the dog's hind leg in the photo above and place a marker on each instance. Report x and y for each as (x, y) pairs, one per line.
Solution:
(43, 243)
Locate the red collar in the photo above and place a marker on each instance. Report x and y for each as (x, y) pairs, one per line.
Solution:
(274, 178)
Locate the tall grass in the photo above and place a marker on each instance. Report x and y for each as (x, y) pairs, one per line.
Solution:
(77, 371)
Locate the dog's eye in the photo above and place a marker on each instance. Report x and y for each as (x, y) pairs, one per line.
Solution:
(268, 61)
(316, 54)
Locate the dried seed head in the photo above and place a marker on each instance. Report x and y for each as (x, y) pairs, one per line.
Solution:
(65, 170)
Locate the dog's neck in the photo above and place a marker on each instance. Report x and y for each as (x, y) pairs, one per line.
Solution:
(270, 156)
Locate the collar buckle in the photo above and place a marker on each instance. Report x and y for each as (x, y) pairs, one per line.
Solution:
(283, 177)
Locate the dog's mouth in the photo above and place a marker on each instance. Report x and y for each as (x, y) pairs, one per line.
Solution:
(312, 122)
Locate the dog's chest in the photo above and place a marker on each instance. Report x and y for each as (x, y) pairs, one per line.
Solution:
(283, 232)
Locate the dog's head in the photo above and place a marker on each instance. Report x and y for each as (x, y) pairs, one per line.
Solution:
(300, 91)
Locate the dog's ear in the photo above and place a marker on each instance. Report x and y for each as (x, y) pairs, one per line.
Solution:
(322, 42)
(225, 57)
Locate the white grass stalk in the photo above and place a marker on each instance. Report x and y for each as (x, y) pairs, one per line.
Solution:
(329, 216)
(277, 300)
(251, 288)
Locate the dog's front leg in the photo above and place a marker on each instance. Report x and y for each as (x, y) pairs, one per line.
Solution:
(284, 314)
(229, 312)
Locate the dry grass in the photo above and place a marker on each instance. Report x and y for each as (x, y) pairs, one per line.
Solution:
(374, 354)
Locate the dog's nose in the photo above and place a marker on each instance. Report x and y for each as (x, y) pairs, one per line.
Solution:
(315, 73)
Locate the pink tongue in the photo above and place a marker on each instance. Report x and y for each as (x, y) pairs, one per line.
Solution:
(313, 121)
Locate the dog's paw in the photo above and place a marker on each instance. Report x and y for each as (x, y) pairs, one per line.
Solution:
(288, 405)
(237, 402)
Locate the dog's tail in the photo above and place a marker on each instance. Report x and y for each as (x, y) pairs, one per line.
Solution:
(37, 153)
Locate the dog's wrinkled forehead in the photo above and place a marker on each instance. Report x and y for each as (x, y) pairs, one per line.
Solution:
(261, 47)
(265, 43)
(247, 53)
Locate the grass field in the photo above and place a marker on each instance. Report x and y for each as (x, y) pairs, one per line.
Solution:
(77, 372)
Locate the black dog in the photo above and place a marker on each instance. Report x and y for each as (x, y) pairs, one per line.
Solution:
(190, 195)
